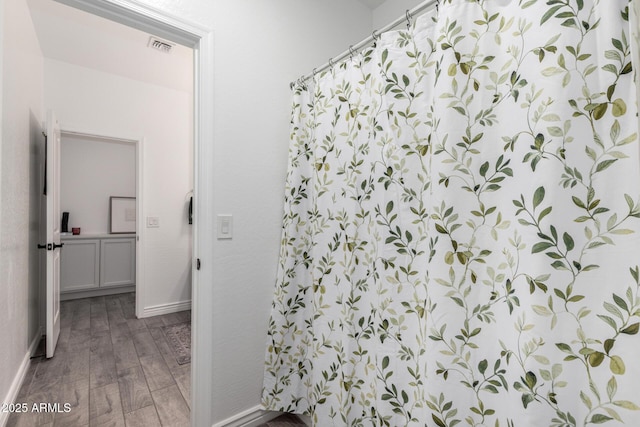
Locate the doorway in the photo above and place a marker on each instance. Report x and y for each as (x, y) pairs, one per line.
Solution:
(201, 41)
(100, 200)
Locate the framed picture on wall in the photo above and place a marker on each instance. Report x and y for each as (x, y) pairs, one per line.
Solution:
(122, 215)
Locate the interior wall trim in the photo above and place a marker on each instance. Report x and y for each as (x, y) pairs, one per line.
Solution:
(252, 417)
(12, 394)
(172, 307)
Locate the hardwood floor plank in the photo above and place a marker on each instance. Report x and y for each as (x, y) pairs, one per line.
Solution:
(37, 418)
(113, 368)
(114, 312)
(102, 369)
(99, 319)
(81, 320)
(77, 395)
(182, 376)
(115, 421)
(125, 355)
(104, 405)
(172, 409)
(153, 322)
(100, 342)
(79, 339)
(145, 345)
(136, 325)
(48, 374)
(77, 366)
(145, 417)
(172, 318)
(157, 372)
(120, 332)
(134, 391)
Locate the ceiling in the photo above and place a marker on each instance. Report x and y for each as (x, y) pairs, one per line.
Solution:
(372, 4)
(71, 35)
(77, 37)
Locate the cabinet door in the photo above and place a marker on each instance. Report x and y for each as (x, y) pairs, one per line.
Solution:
(79, 265)
(117, 262)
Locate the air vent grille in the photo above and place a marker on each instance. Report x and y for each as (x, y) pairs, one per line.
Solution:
(161, 45)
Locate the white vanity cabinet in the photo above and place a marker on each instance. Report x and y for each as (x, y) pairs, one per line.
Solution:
(95, 265)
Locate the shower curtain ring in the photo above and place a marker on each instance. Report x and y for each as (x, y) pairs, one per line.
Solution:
(375, 35)
(331, 63)
(408, 15)
(352, 52)
(314, 72)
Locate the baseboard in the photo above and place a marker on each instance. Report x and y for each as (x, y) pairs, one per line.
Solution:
(172, 307)
(250, 418)
(66, 296)
(19, 378)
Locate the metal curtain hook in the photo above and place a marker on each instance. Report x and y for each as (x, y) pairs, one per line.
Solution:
(352, 52)
(408, 16)
(375, 37)
(331, 63)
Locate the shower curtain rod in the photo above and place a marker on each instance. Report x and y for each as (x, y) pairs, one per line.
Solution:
(372, 38)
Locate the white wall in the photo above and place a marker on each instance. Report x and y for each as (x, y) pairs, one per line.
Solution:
(92, 170)
(390, 10)
(19, 193)
(259, 48)
(99, 103)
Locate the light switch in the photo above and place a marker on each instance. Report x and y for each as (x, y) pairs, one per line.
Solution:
(153, 222)
(225, 226)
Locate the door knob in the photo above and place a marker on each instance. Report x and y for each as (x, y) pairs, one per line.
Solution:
(58, 246)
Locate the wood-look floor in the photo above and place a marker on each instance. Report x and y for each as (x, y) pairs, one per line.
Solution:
(112, 368)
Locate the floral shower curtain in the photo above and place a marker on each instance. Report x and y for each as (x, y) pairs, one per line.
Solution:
(461, 239)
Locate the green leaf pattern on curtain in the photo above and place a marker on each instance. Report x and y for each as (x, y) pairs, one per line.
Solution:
(460, 240)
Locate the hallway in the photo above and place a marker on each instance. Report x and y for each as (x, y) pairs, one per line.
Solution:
(112, 368)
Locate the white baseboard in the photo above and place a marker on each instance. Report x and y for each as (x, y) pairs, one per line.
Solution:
(250, 418)
(19, 378)
(172, 307)
(66, 296)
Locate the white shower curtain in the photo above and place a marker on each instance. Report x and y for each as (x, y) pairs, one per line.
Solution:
(461, 230)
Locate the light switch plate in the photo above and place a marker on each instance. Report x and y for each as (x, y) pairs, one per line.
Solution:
(153, 222)
(225, 227)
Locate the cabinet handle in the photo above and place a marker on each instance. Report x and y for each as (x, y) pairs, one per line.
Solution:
(58, 246)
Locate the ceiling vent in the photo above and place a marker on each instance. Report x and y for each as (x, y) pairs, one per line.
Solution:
(161, 45)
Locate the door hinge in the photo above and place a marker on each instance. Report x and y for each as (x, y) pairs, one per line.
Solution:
(197, 263)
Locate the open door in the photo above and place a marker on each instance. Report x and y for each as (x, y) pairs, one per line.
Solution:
(53, 245)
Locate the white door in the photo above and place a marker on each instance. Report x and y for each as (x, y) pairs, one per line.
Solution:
(53, 233)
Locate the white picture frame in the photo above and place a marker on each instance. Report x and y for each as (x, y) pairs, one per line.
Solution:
(122, 215)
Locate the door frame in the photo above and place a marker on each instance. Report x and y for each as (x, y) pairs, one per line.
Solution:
(154, 21)
(141, 292)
